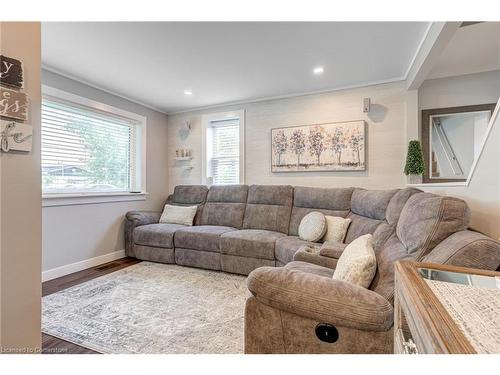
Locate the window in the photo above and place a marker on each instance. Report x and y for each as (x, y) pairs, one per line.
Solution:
(223, 149)
(89, 150)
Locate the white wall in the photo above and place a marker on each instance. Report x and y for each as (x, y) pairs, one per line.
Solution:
(77, 233)
(386, 133)
(483, 193)
(20, 204)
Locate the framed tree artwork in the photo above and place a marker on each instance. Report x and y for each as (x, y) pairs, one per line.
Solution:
(336, 147)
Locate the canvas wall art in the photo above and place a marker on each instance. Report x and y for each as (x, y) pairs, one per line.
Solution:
(325, 147)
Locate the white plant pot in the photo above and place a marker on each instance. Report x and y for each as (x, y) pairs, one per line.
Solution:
(415, 178)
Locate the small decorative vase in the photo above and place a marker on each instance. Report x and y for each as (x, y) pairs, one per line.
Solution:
(415, 178)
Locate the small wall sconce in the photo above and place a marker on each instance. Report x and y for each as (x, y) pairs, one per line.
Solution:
(366, 105)
(186, 126)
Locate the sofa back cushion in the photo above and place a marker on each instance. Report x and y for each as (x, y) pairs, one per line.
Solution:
(368, 208)
(329, 201)
(268, 207)
(189, 195)
(225, 206)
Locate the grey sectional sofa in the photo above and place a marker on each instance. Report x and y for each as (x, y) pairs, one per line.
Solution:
(239, 228)
(252, 229)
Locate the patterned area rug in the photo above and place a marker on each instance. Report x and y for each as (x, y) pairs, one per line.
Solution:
(151, 308)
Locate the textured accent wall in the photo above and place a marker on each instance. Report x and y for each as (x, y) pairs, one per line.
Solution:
(386, 132)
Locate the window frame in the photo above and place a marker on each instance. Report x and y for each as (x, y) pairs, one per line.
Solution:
(77, 198)
(206, 119)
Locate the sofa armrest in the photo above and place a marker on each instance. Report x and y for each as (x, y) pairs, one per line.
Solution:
(321, 298)
(332, 249)
(134, 219)
(467, 249)
(143, 217)
(306, 254)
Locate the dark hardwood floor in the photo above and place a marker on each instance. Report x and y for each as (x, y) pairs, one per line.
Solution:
(54, 345)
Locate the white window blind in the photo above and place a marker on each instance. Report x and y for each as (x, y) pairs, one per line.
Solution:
(85, 150)
(223, 146)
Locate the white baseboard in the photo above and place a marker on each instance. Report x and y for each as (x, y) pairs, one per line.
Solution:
(78, 266)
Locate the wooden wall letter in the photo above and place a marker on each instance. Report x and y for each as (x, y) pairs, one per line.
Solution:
(13, 104)
(11, 72)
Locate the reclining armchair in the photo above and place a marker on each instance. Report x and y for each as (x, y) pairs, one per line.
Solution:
(299, 308)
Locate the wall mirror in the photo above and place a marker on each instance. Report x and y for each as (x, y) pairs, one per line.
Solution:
(452, 139)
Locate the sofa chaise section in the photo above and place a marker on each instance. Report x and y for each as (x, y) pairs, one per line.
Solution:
(266, 219)
(223, 212)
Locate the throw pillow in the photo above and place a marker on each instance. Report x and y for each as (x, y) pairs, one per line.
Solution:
(312, 227)
(183, 215)
(336, 228)
(357, 264)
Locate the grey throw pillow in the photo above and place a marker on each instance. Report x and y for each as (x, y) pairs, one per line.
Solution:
(312, 227)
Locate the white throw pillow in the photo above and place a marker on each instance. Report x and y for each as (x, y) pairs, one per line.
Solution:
(357, 264)
(336, 228)
(312, 227)
(183, 215)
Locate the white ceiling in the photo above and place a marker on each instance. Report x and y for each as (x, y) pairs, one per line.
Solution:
(473, 49)
(154, 63)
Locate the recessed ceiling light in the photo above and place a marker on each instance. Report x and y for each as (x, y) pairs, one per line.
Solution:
(318, 70)
(188, 92)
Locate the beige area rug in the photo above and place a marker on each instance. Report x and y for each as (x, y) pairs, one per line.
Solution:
(151, 308)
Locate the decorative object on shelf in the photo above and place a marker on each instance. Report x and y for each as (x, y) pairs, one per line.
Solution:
(186, 125)
(415, 166)
(183, 153)
(185, 129)
(13, 104)
(11, 72)
(16, 137)
(324, 147)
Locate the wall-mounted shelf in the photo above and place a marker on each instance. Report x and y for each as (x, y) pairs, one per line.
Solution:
(183, 158)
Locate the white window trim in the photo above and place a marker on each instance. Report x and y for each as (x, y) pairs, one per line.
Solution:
(205, 122)
(63, 199)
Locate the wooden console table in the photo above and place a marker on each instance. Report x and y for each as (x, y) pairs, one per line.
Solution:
(444, 309)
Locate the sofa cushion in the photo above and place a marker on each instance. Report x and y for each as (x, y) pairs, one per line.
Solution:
(309, 268)
(157, 235)
(333, 202)
(183, 215)
(268, 208)
(312, 227)
(371, 203)
(427, 219)
(360, 225)
(336, 228)
(225, 206)
(189, 194)
(253, 243)
(357, 264)
(201, 237)
(286, 247)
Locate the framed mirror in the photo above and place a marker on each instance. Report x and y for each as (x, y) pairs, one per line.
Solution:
(452, 139)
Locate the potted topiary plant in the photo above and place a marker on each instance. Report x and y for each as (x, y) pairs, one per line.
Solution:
(415, 165)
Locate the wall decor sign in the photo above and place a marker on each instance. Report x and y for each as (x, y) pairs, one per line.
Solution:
(324, 147)
(15, 136)
(11, 72)
(13, 104)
